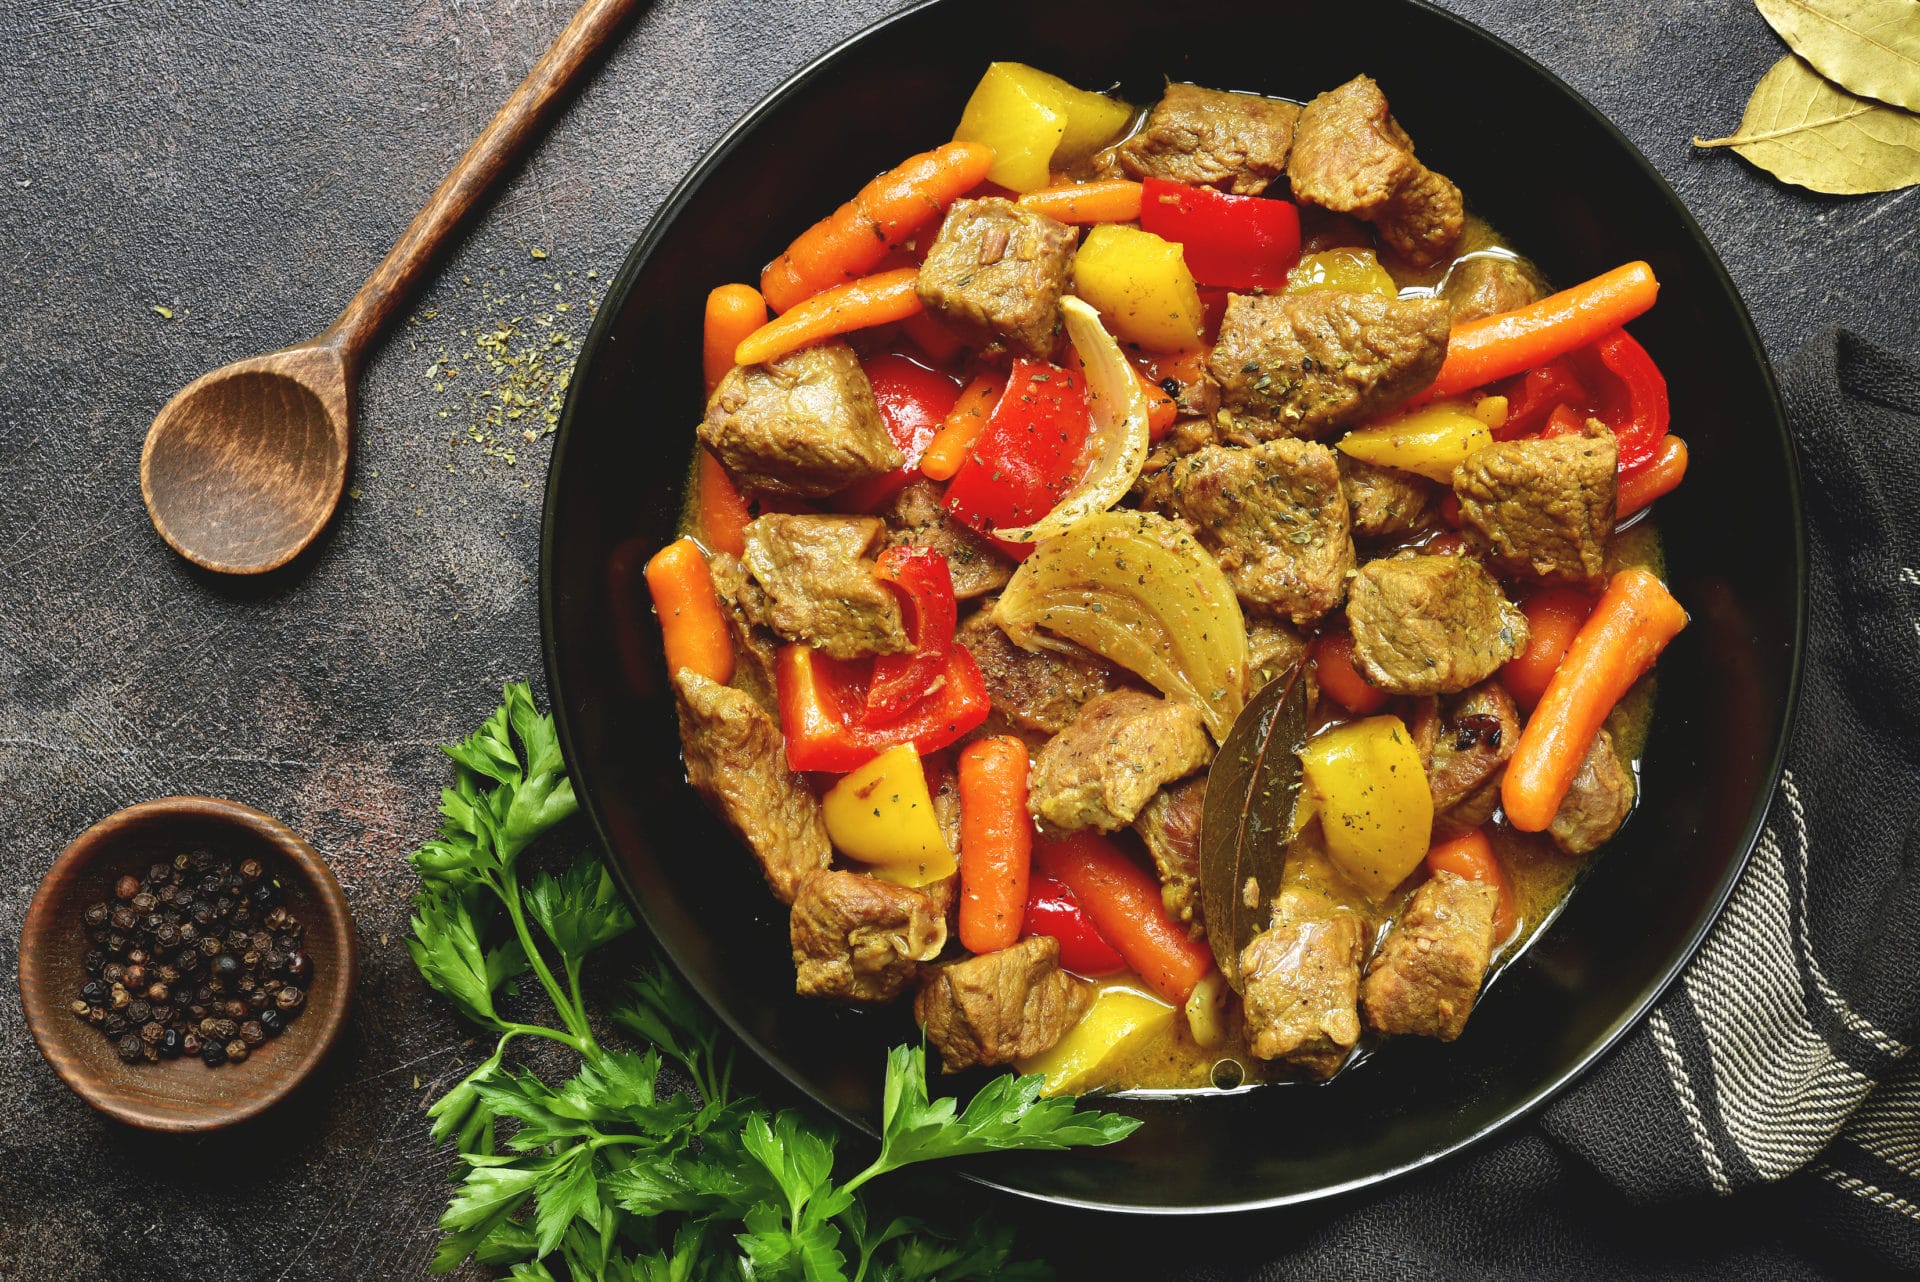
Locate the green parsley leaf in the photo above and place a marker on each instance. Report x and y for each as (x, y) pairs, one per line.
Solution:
(579, 910)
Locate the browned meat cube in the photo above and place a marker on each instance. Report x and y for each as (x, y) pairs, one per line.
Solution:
(1598, 802)
(1351, 156)
(995, 275)
(820, 587)
(1426, 975)
(1304, 364)
(1170, 827)
(1040, 690)
(1300, 980)
(1000, 1007)
(1543, 508)
(737, 760)
(1108, 763)
(1272, 649)
(917, 518)
(1237, 142)
(1274, 517)
(1431, 624)
(859, 939)
(805, 425)
(1486, 284)
(1385, 502)
(1465, 741)
(754, 644)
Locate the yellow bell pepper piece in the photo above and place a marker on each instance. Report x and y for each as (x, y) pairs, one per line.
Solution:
(1353, 269)
(1371, 793)
(1140, 285)
(1491, 410)
(1120, 1014)
(1035, 123)
(882, 815)
(1430, 441)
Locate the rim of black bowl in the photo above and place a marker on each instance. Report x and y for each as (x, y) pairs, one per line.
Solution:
(622, 284)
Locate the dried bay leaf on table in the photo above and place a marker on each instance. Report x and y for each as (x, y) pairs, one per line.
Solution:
(1246, 822)
(1870, 47)
(1807, 131)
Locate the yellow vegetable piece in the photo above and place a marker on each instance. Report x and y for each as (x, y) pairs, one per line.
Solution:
(1370, 790)
(882, 815)
(1354, 269)
(1093, 119)
(1120, 1014)
(1206, 1012)
(1136, 589)
(1430, 441)
(1023, 130)
(1141, 286)
(1491, 410)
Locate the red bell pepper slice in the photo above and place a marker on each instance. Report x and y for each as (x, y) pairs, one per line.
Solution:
(1239, 242)
(1027, 456)
(822, 701)
(914, 401)
(1630, 396)
(1532, 396)
(925, 582)
(1052, 910)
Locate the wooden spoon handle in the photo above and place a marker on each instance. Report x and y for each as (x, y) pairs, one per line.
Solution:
(491, 153)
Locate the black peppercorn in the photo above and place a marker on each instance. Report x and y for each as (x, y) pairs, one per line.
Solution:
(113, 1025)
(237, 1051)
(188, 933)
(196, 1011)
(158, 991)
(126, 888)
(138, 956)
(123, 918)
(95, 990)
(97, 914)
(138, 1010)
(203, 995)
(113, 972)
(251, 1032)
(143, 903)
(164, 1014)
(273, 1022)
(276, 918)
(189, 1043)
(182, 862)
(135, 977)
(157, 873)
(209, 946)
(130, 1046)
(96, 1015)
(79, 1008)
(226, 966)
(299, 967)
(120, 999)
(169, 974)
(289, 998)
(170, 1040)
(94, 962)
(113, 942)
(213, 1054)
(233, 1010)
(151, 1031)
(250, 870)
(262, 897)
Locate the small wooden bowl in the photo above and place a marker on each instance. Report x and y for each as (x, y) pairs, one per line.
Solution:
(181, 1095)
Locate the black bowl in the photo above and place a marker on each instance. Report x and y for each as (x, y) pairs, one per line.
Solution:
(1545, 168)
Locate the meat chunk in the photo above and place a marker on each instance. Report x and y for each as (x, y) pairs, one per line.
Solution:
(1170, 827)
(1426, 975)
(1384, 502)
(1300, 982)
(820, 587)
(1431, 624)
(1543, 508)
(1237, 142)
(754, 645)
(1465, 742)
(804, 425)
(1272, 648)
(1487, 284)
(1306, 363)
(1041, 690)
(1000, 1007)
(1274, 517)
(917, 518)
(1351, 156)
(859, 939)
(1112, 758)
(1598, 802)
(995, 274)
(737, 759)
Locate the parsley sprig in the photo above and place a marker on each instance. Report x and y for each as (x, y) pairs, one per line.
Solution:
(614, 1173)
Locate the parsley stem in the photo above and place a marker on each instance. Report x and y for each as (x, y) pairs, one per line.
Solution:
(571, 1014)
(581, 1045)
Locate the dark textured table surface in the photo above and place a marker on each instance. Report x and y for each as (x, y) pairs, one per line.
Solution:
(185, 183)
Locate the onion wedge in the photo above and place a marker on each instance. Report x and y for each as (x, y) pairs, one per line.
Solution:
(1119, 439)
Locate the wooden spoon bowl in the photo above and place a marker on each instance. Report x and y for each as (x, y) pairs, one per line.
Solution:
(182, 1095)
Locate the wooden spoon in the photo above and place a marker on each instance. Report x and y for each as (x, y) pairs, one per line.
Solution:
(245, 466)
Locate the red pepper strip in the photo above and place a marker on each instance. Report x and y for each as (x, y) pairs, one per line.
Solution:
(1564, 421)
(1240, 242)
(901, 680)
(1052, 910)
(914, 401)
(1533, 395)
(1028, 455)
(1630, 395)
(821, 698)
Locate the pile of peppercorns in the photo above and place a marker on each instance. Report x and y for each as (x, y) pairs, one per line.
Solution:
(201, 958)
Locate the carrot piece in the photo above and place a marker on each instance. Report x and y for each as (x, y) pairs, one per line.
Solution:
(1554, 617)
(720, 509)
(1161, 411)
(1472, 857)
(1660, 476)
(996, 843)
(1494, 347)
(851, 241)
(1123, 900)
(962, 427)
(1339, 676)
(1112, 200)
(860, 304)
(1629, 627)
(733, 312)
(692, 628)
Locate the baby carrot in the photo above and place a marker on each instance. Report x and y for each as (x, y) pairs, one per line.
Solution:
(1161, 411)
(733, 312)
(692, 629)
(851, 241)
(1660, 476)
(1472, 857)
(1631, 624)
(1554, 616)
(1113, 200)
(859, 304)
(1486, 350)
(962, 427)
(1123, 901)
(722, 513)
(996, 843)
